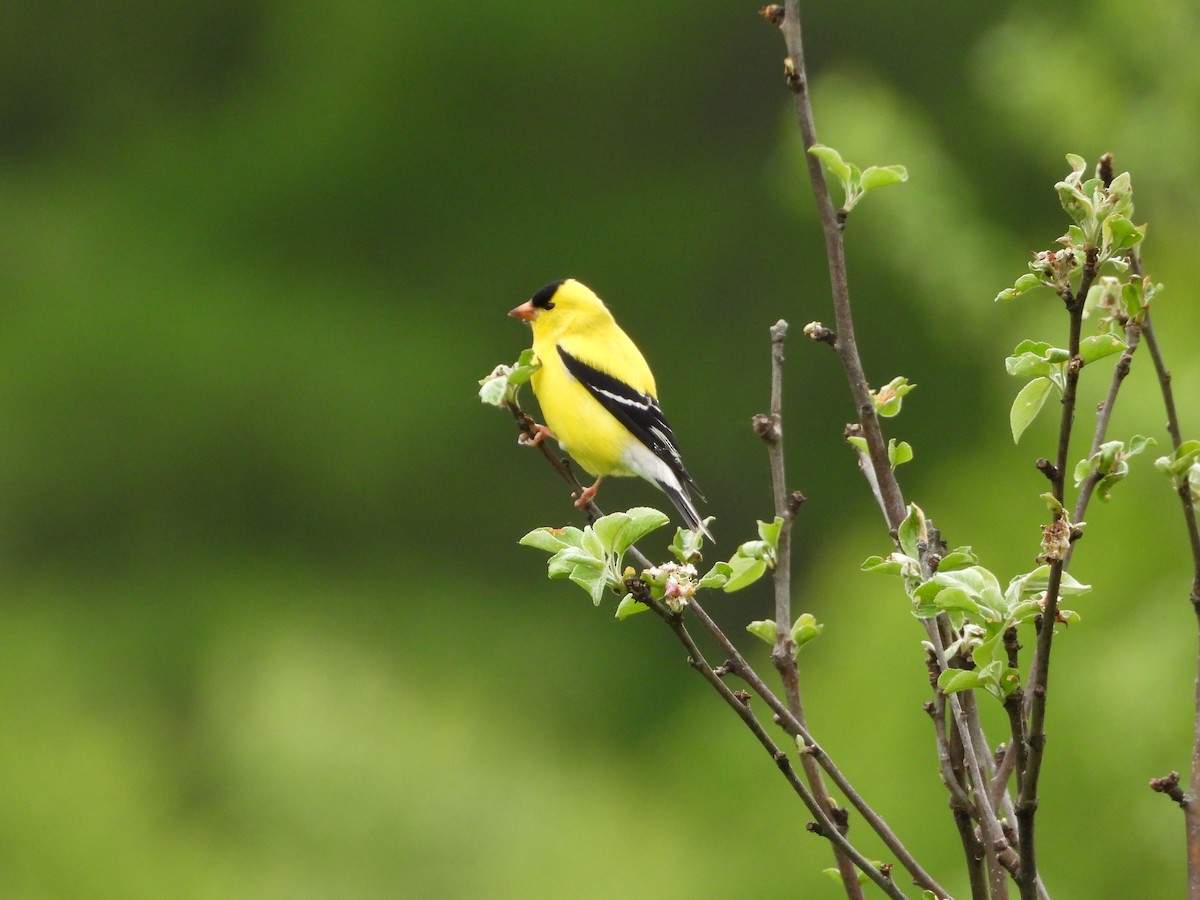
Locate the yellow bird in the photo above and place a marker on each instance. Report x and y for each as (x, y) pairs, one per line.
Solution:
(598, 397)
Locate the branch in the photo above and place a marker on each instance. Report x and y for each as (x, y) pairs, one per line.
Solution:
(1191, 809)
(784, 717)
(783, 655)
(832, 225)
(740, 703)
(1027, 799)
(1133, 336)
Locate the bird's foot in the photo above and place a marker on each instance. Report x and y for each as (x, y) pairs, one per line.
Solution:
(539, 434)
(586, 495)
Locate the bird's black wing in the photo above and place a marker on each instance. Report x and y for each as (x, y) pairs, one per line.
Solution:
(638, 412)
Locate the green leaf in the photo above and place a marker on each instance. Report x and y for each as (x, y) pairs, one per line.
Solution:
(563, 563)
(874, 177)
(900, 453)
(687, 544)
(717, 576)
(958, 558)
(592, 580)
(769, 532)
(888, 398)
(1077, 205)
(744, 571)
(953, 680)
(1121, 234)
(548, 539)
(1026, 282)
(806, 628)
(889, 566)
(620, 530)
(833, 162)
(493, 390)
(1027, 405)
(1099, 346)
(913, 530)
(766, 629)
(526, 365)
(954, 598)
(859, 443)
(629, 607)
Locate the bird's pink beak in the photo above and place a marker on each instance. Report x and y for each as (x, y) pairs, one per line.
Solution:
(525, 311)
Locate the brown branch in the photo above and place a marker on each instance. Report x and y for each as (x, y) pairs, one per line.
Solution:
(1133, 336)
(783, 654)
(832, 224)
(1191, 808)
(1027, 796)
(742, 668)
(826, 825)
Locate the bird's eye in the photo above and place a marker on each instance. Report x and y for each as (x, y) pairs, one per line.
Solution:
(543, 298)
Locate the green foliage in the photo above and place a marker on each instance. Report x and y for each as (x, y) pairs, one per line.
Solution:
(889, 397)
(592, 557)
(1110, 464)
(1182, 466)
(855, 182)
(806, 628)
(972, 598)
(1046, 366)
(502, 386)
(899, 452)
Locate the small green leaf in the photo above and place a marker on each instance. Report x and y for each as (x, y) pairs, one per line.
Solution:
(889, 397)
(629, 607)
(493, 390)
(882, 176)
(548, 539)
(620, 530)
(766, 629)
(769, 532)
(913, 530)
(687, 544)
(592, 580)
(806, 628)
(1099, 346)
(1077, 163)
(1026, 282)
(1121, 234)
(958, 558)
(717, 576)
(744, 571)
(889, 566)
(1027, 405)
(899, 453)
(833, 162)
(953, 598)
(859, 443)
(953, 680)
(563, 563)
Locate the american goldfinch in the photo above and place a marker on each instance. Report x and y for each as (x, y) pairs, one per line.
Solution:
(598, 397)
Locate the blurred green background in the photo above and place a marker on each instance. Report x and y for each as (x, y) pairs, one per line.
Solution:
(266, 628)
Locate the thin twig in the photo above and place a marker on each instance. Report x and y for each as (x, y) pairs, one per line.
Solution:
(784, 716)
(1191, 808)
(1133, 336)
(783, 654)
(1027, 797)
(826, 826)
(832, 225)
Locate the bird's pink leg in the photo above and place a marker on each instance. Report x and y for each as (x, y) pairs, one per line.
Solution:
(588, 493)
(540, 433)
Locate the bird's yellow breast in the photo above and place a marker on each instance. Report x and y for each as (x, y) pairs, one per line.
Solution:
(586, 430)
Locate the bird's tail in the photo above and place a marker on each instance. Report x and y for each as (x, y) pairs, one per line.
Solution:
(679, 496)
